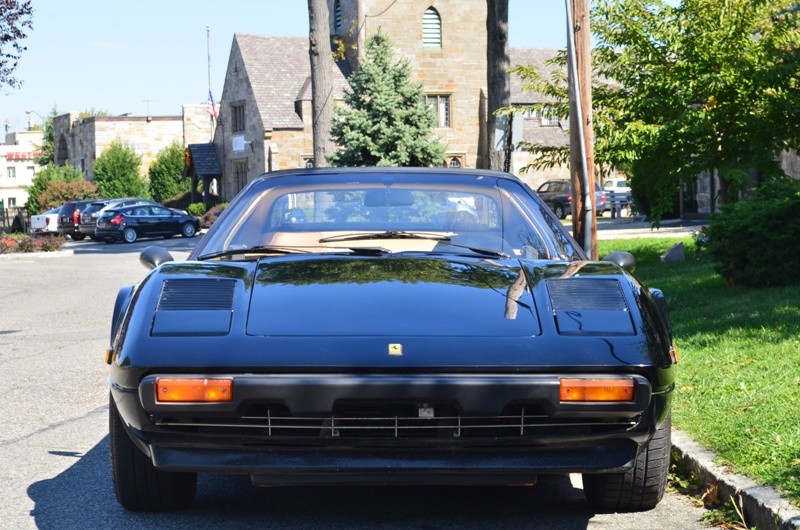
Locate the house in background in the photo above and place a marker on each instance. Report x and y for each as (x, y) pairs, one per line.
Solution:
(79, 141)
(17, 168)
(265, 121)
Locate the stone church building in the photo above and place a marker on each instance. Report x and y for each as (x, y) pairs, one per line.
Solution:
(265, 116)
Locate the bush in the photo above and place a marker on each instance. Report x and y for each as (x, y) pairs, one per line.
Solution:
(211, 215)
(31, 244)
(754, 241)
(7, 244)
(198, 209)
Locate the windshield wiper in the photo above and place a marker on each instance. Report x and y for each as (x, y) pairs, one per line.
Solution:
(258, 249)
(389, 234)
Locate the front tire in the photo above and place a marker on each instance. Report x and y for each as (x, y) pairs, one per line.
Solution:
(560, 212)
(139, 486)
(188, 230)
(129, 235)
(642, 486)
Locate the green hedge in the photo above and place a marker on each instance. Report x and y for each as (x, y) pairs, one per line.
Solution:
(754, 242)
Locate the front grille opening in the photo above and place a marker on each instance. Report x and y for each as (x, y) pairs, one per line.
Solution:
(384, 420)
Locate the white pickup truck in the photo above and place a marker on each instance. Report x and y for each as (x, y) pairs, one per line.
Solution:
(46, 223)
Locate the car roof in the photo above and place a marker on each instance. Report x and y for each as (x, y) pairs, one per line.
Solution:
(454, 172)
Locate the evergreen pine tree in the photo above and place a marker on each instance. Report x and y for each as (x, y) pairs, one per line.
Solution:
(384, 121)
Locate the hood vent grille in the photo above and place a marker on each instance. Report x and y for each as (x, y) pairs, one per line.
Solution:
(196, 295)
(577, 294)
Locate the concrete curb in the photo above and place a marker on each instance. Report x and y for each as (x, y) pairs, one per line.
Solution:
(30, 255)
(762, 506)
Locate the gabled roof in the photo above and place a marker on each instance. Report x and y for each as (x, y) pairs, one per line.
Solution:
(279, 70)
(528, 56)
(204, 160)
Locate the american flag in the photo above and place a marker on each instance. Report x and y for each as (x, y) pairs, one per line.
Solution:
(211, 107)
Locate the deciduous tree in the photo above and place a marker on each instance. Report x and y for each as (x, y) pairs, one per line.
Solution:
(42, 180)
(116, 172)
(319, 51)
(692, 86)
(166, 174)
(498, 83)
(15, 18)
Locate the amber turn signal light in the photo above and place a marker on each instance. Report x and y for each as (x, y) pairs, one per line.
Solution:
(177, 390)
(583, 390)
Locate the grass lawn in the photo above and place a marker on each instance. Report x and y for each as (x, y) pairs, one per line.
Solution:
(738, 382)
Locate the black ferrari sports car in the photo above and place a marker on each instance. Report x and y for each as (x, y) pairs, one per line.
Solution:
(389, 326)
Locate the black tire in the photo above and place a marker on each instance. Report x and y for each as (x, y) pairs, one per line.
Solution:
(129, 235)
(139, 486)
(642, 486)
(77, 236)
(560, 213)
(188, 230)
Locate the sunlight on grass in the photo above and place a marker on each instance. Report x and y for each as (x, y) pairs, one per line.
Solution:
(738, 382)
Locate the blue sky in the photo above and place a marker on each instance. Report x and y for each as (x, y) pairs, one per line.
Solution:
(151, 55)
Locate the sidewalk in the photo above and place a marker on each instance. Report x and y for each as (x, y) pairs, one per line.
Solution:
(630, 227)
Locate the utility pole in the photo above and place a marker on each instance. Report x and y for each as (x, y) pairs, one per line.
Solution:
(584, 215)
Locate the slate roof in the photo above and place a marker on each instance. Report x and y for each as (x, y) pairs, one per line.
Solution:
(279, 70)
(204, 160)
(528, 56)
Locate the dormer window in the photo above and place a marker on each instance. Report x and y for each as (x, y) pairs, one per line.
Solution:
(431, 29)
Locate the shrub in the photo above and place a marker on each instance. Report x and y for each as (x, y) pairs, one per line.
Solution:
(53, 243)
(29, 244)
(198, 209)
(753, 241)
(211, 215)
(7, 244)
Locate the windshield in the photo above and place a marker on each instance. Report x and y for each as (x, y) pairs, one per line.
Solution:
(394, 214)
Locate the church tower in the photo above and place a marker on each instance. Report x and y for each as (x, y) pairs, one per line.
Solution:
(445, 44)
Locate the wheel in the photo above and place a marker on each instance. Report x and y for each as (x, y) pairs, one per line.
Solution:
(139, 486)
(129, 235)
(639, 488)
(77, 236)
(560, 212)
(188, 230)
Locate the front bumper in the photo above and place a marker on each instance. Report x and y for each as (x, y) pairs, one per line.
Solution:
(407, 428)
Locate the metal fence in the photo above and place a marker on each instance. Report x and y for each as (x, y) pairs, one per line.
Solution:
(14, 219)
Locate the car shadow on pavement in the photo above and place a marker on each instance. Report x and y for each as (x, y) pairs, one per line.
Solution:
(83, 497)
(174, 245)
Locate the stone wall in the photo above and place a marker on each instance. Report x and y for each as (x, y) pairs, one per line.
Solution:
(79, 141)
(457, 69)
(197, 124)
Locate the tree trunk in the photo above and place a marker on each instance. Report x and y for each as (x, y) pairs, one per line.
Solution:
(322, 65)
(498, 86)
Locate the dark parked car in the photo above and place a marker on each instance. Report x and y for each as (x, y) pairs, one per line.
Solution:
(557, 194)
(342, 325)
(69, 219)
(88, 217)
(129, 223)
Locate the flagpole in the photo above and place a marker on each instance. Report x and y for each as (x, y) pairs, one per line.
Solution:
(208, 47)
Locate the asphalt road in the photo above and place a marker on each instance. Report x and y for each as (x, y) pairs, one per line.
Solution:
(54, 464)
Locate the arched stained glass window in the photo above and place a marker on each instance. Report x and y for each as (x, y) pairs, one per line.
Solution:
(431, 29)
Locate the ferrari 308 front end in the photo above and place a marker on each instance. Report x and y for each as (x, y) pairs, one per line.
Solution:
(355, 326)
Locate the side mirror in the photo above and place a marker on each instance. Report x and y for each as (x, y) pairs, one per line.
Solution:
(153, 256)
(623, 259)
